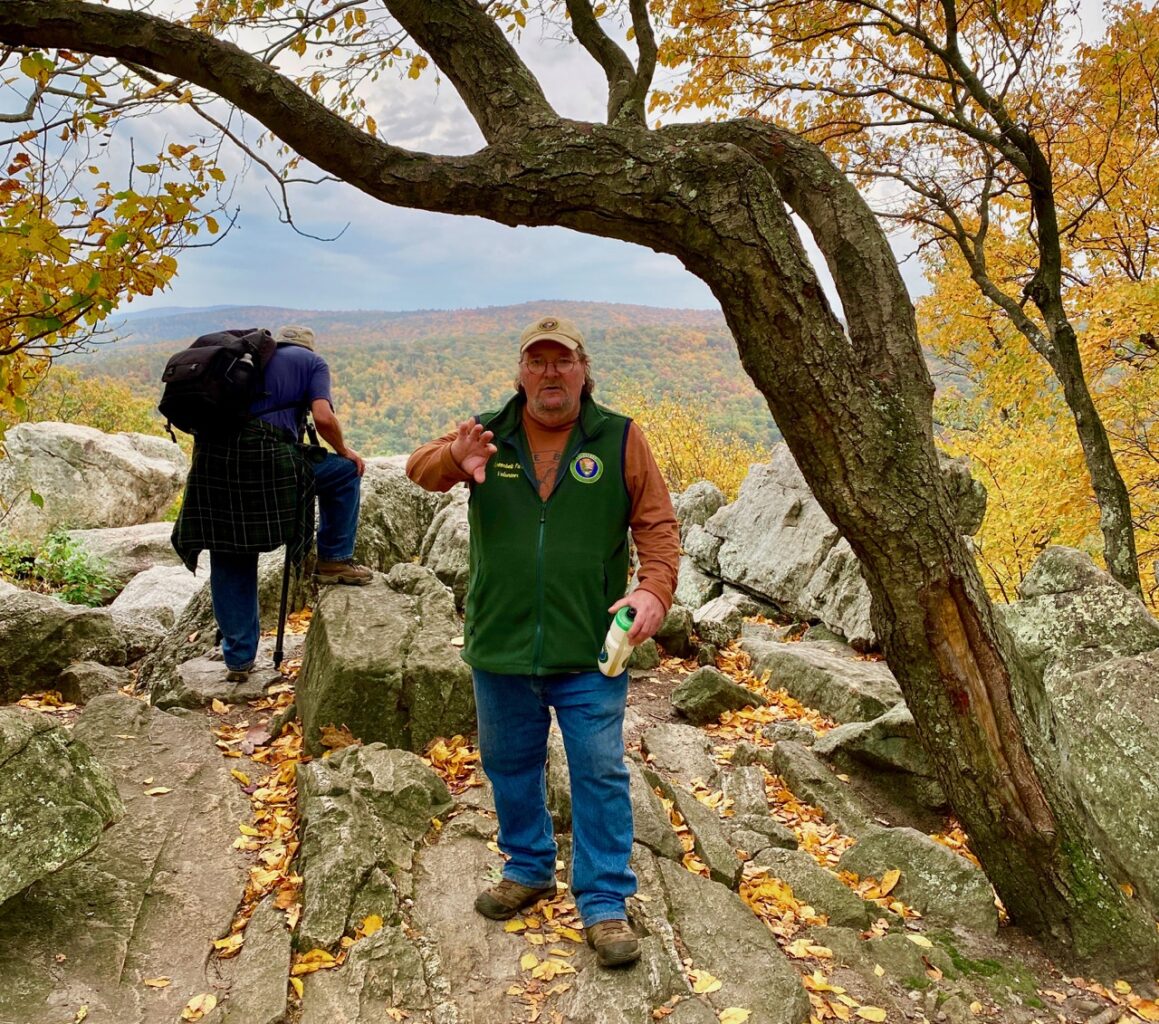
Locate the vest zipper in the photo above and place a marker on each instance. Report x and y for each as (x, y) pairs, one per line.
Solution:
(537, 645)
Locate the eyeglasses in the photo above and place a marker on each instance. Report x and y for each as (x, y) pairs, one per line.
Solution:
(538, 365)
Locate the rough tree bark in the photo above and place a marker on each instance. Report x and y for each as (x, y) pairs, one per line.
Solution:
(856, 409)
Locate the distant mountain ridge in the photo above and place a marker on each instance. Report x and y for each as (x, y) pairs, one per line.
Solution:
(401, 378)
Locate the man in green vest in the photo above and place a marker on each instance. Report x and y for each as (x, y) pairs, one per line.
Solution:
(556, 483)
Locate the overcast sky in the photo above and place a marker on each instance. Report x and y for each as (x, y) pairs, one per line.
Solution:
(398, 259)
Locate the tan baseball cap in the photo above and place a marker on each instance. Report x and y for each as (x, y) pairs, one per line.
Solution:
(551, 328)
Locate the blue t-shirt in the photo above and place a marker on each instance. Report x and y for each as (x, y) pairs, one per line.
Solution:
(295, 377)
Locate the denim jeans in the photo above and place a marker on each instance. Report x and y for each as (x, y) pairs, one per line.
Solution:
(513, 727)
(339, 497)
(233, 577)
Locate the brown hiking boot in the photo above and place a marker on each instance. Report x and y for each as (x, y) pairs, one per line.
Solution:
(347, 571)
(615, 943)
(508, 898)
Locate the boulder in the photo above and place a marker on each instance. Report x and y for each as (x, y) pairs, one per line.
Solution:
(128, 550)
(198, 682)
(828, 677)
(446, 548)
(694, 587)
(149, 900)
(1067, 602)
(778, 543)
(945, 888)
(816, 887)
(41, 636)
(394, 517)
(675, 632)
(697, 504)
(160, 594)
(723, 937)
(379, 660)
(84, 680)
(707, 693)
(364, 809)
(55, 799)
(87, 478)
(651, 825)
(1107, 729)
(703, 548)
(708, 836)
(718, 622)
(682, 752)
(966, 494)
(887, 753)
(644, 657)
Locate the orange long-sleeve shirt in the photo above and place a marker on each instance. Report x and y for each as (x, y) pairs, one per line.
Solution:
(652, 520)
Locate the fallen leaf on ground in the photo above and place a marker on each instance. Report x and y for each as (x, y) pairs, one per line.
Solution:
(157, 982)
(703, 982)
(734, 1015)
(158, 791)
(920, 940)
(199, 1006)
(873, 1013)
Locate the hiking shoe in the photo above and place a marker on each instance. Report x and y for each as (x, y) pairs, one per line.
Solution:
(508, 898)
(615, 943)
(347, 571)
(237, 675)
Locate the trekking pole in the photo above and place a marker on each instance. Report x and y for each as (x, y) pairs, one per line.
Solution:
(282, 609)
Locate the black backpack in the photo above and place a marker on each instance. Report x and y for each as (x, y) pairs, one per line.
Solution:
(210, 386)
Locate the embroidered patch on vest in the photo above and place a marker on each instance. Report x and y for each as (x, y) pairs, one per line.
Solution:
(587, 468)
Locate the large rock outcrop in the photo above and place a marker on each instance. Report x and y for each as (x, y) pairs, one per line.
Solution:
(379, 660)
(447, 545)
(129, 550)
(394, 517)
(1068, 603)
(55, 799)
(777, 543)
(149, 900)
(41, 636)
(86, 478)
(1097, 647)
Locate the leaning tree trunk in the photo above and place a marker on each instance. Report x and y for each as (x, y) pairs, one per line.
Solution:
(855, 410)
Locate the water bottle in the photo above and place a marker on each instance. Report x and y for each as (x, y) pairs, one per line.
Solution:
(616, 649)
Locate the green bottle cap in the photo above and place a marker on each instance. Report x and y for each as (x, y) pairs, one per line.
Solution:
(625, 616)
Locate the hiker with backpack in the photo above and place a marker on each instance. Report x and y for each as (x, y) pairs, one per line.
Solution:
(245, 396)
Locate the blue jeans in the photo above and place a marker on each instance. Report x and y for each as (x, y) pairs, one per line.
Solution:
(513, 726)
(233, 577)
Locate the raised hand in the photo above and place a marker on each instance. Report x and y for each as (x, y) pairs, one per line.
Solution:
(472, 449)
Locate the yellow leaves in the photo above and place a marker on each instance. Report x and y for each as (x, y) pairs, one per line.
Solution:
(686, 448)
(370, 925)
(889, 880)
(920, 940)
(230, 945)
(417, 65)
(157, 982)
(158, 791)
(455, 761)
(872, 1013)
(528, 961)
(315, 960)
(240, 776)
(734, 1015)
(702, 982)
(334, 737)
(199, 1006)
(803, 949)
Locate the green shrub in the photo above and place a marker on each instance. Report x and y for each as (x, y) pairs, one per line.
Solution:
(61, 566)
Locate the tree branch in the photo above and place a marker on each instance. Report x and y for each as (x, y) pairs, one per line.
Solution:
(471, 50)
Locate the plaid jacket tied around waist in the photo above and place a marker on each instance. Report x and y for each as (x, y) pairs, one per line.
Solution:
(250, 492)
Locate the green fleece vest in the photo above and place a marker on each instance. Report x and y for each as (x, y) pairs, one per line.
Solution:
(543, 573)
